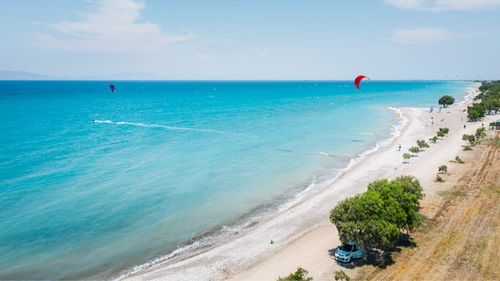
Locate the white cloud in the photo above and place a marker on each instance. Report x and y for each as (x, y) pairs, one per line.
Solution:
(112, 26)
(443, 5)
(421, 36)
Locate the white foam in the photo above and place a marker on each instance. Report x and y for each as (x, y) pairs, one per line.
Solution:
(103, 121)
(298, 197)
(170, 128)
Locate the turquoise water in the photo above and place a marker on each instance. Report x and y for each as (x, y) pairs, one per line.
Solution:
(164, 162)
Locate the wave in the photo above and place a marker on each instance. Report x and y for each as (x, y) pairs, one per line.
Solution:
(251, 219)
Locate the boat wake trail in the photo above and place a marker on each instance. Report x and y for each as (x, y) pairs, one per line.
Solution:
(169, 128)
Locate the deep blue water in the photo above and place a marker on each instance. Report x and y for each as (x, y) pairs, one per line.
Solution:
(92, 183)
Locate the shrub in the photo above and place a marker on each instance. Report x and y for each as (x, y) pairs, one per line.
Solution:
(476, 111)
(458, 160)
(439, 178)
(480, 134)
(422, 144)
(299, 275)
(433, 139)
(443, 169)
(444, 130)
(406, 157)
(467, 148)
(440, 134)
(470, 138)
(414, 149)
(340, 275)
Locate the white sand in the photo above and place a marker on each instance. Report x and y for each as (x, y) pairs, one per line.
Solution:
(302, 233)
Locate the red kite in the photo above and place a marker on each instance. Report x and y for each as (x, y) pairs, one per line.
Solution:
(358, 79)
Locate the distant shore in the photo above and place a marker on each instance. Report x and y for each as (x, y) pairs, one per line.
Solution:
(301, 235)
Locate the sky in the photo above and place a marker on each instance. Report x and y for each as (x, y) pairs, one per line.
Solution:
(252, 39)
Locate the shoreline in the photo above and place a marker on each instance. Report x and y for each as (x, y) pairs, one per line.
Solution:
(308, 214)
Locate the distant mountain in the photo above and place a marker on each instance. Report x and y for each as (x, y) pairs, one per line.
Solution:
(22, 75)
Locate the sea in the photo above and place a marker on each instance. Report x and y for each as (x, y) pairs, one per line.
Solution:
(94, 184)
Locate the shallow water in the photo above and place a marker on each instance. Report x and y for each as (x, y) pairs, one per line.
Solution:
(93, 183)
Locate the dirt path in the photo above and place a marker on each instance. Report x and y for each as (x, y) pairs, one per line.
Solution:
(462, 241)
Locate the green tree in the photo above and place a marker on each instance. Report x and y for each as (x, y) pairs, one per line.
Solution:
(299, 275)
(433, 139)
(476, 111)
(407, 193)
(470, 138)
(446, 100)
(459, 160)
(406, 157)
(422, 144)
(444, 130)
(375, 218)
(365, 219)
(443, 169)
(414, 149)
(480, 134)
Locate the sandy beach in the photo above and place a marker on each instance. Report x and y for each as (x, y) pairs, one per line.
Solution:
(301, 233)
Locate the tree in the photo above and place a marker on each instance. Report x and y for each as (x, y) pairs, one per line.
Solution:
(375, 218)
(433, 139)
(364, 219)
(414, 149)
(340, 275)
(439, 178)
(443, 169)
(476, 111)
(446, 100)
(407, 192)
(299, 275)
(480, 134)
(444, 130)
(406, 157)
(470, 138)
(422, 144)
(459, 160)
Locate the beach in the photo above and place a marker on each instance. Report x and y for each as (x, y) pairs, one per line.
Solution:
(193, 180)
(301, 234)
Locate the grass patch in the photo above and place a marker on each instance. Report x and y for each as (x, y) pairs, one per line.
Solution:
(491, 190)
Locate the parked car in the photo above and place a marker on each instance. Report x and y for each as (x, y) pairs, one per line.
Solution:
(349, 251)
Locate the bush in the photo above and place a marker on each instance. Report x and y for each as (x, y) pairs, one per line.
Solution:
(480, 134)
(446, 100)
(433, 139)
(443, 169)
(444, 130)
(340, 275)
(467, 148)
(414, 149)
(422, 144)
(439, 178)
(470, 138)
(299, 275)
(458, 160)
(440, 134)
(476, 111)
(406, 156)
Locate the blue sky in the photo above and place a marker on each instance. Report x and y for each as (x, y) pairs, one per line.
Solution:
(232, 39)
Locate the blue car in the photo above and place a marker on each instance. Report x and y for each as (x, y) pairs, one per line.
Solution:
(349, 251)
